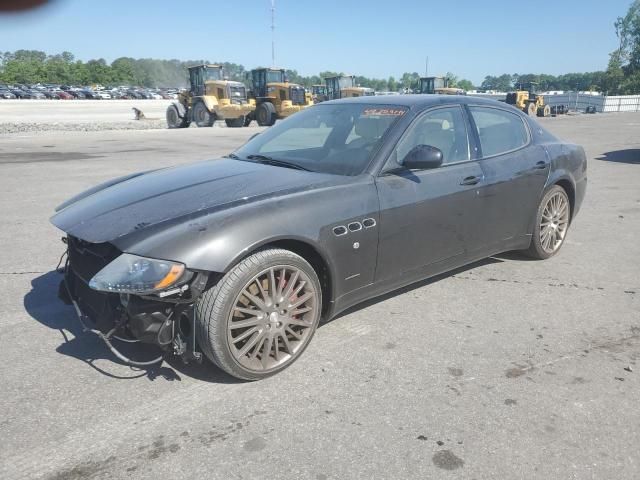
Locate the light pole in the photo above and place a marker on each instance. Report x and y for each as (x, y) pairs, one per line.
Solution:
(273, 33)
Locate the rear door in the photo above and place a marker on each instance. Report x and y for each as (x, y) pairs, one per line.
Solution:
(515, 171)
(428, 217)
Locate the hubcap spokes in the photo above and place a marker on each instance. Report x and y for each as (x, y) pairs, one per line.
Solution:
(272, 318)
(555, 219)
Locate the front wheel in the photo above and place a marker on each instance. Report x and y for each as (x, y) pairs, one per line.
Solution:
(259, 318)
(552, 222)
(201, 115)
(173, 118)
(266, 114)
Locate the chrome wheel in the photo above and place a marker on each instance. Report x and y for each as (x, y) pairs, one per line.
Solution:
(273, 318)
(554, 222)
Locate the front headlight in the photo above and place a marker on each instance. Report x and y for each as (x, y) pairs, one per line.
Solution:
(138, 275)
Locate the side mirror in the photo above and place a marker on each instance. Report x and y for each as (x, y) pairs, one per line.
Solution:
(423, 157)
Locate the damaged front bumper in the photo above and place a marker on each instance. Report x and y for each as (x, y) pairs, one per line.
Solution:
(165, 319)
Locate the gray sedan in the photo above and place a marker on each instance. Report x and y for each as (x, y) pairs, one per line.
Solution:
(239, 258)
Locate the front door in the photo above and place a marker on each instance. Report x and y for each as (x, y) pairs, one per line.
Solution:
(428, 217)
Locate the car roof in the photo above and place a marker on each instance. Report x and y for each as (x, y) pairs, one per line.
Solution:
(419, 101)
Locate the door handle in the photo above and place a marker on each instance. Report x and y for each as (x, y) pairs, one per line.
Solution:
(473, 180)
(541, 165)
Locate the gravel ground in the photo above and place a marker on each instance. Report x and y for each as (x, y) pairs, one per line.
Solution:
(507, 368)
(28, 116)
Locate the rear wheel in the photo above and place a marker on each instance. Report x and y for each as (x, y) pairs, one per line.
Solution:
(174, 120)
(530, 109)
(266, 114)
(551, 225)
(235, 122)
(259, 318)
(201, 115)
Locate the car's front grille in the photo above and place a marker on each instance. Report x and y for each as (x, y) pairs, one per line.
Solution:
(86, 259)
(296, 94)
(238, 94)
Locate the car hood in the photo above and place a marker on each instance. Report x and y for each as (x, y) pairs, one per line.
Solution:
(137, 202)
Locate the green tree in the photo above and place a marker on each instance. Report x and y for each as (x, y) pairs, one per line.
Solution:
(623, 72)
(392, 84)
(465, 84)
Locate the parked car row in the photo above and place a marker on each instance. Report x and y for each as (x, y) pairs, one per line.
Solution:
(66, 92)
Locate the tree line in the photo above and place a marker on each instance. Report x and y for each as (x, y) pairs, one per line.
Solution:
(32, 66)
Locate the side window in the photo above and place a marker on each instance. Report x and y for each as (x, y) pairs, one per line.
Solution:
(444, 128)
(499, 131)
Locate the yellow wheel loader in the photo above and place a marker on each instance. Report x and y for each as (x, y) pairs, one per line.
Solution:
(344, 86)
(528, 101)
(319, 93)
(438, 85)
(211, 97)
(274, 96)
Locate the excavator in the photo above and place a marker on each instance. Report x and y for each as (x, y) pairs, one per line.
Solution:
(210, 97)
(274, 96)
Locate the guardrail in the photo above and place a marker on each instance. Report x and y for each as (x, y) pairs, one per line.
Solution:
(578, 102)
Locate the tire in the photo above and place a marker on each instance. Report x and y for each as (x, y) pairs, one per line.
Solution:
(240, 350)
(201, 115)
(174, 120)
(247, 120)
(235, 122)
(530, 109)
(551, 224)
(266, 114)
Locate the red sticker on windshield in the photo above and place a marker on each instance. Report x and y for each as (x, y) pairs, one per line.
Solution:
(396, 112)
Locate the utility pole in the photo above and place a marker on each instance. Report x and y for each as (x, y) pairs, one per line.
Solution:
(273, 33)
(426, 67)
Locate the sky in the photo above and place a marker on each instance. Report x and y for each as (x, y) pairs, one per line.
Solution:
(373, 38)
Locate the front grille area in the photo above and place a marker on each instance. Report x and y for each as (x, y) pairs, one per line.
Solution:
(238, 94)
(85, 260)
(296, 94)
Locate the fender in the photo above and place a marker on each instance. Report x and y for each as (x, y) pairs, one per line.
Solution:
(216, 241)
(180, 108)
(210, 102)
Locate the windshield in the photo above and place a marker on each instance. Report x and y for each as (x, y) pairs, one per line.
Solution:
(212, 74)
(345, 82)
(337, 139)
(275, 76)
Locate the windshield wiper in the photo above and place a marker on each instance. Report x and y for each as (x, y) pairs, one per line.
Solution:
(275, 162)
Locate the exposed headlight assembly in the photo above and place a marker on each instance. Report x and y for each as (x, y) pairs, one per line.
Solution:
(138, 275)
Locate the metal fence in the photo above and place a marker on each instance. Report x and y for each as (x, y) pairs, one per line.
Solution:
(578, 102)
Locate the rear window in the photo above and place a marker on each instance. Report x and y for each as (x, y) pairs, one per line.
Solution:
(499, 131)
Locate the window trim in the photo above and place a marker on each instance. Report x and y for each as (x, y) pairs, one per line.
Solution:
(465, 115)
(476, 134)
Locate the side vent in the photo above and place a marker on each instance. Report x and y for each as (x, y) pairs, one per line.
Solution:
(339, 231)
(369, 223)
(354, 226)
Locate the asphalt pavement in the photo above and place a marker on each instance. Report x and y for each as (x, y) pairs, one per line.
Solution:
(508, 368)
